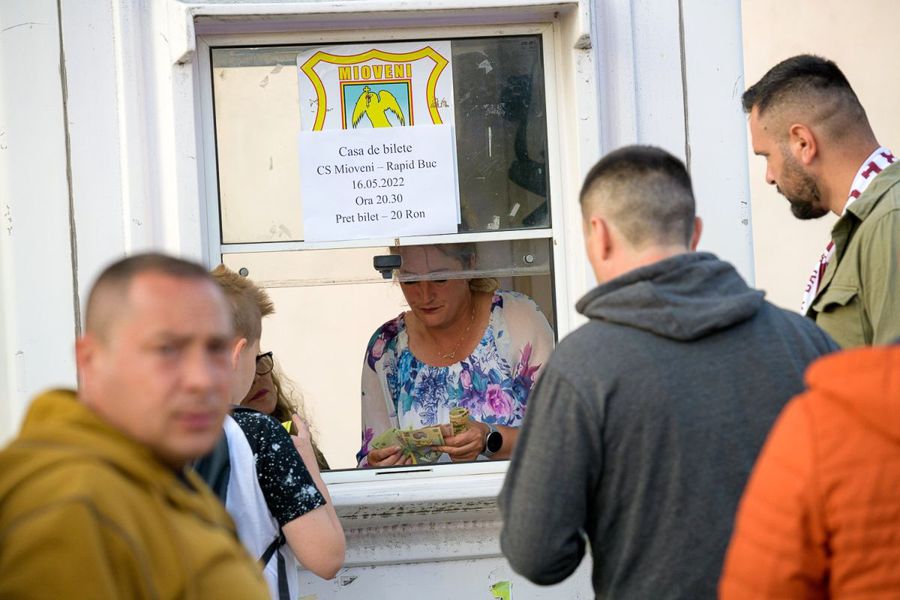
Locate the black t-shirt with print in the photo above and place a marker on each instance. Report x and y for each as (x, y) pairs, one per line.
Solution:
(283, 478)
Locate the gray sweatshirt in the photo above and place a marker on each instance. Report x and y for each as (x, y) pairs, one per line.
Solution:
(643, 428)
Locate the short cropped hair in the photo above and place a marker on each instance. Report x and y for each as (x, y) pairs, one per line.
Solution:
(646, 192)
(249, 303)
(110, 290)
(814, 85)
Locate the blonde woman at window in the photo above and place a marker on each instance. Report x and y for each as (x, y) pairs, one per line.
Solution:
(462, 343)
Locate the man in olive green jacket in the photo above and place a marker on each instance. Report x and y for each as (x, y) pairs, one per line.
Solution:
(822, 155)
(95, 499)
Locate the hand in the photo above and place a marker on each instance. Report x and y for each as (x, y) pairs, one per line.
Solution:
(387, 457)
(302, 441)
(302, 428)
(466, 446)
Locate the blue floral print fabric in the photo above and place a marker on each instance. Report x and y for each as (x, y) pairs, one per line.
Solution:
(493, 382)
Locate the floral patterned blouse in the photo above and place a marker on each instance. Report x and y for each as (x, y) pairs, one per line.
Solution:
(399, 390)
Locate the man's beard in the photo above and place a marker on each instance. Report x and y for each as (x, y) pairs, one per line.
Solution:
(804, 209)
(804, 197)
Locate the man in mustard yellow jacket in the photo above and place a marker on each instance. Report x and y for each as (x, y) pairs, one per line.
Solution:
(95, 500)
(821, 153)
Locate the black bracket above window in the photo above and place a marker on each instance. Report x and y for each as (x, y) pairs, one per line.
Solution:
(386, 263)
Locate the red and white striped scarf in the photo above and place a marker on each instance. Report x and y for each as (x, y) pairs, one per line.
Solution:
(872, 166)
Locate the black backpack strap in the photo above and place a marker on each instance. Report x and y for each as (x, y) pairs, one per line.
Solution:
(277, 543)
(215, 468)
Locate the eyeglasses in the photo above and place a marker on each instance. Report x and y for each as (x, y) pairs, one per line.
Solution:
(264, 363)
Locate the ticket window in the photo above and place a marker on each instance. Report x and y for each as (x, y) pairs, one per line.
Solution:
(328, 296)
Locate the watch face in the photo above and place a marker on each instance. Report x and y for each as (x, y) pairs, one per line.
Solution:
(494, 441)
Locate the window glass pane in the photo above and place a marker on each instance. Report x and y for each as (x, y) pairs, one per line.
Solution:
(328, 304)
(257, 120)
(501, 138)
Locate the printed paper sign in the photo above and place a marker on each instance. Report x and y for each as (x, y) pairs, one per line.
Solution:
(378, 183)
(377, 148)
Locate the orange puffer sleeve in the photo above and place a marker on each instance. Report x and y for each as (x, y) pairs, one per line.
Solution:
(777, 549)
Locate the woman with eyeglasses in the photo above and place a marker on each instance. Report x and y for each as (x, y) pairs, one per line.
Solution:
(272, 394)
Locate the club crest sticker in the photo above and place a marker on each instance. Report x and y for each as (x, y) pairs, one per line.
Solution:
(363, 87)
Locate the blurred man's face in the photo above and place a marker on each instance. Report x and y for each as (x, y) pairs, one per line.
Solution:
(162, 373)
(785, 172)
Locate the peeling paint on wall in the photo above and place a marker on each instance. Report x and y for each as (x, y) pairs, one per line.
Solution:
(20, 371)
(375, 512)
(29, 24)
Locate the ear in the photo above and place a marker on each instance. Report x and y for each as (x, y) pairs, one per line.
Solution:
(698, 229)
(598, 237)
(85, 352)
(236, 352)
(88, 359)
(802, 142)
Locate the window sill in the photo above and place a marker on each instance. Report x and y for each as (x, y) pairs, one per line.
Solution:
(394, 496)
(441, 512)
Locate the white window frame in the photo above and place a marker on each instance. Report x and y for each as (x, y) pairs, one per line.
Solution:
(451, 482)
(555, 233)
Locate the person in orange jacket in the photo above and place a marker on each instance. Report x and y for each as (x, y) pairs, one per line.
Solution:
(820, 517)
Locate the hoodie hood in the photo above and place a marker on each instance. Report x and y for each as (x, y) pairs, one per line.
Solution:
(58, 417)
(865, 382)
(59, 428)
(684, 297)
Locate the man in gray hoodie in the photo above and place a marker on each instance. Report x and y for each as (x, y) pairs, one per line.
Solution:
(646, 421)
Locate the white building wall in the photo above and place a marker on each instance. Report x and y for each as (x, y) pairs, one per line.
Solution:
(713, 73)
(37, 303)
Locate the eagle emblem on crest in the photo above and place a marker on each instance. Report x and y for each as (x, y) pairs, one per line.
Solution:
(375, 107)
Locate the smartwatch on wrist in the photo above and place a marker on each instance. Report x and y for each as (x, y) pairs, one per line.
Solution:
(493, 441)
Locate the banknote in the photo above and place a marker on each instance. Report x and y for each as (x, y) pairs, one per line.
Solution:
(416, 444)
(459, 419)
(424, 436)
(386, 438)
